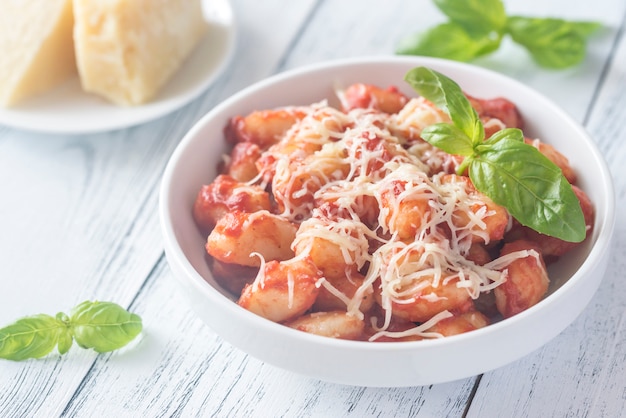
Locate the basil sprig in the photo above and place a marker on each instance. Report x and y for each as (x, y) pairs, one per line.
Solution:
(477, 27)
(102, 326)
(506, 169)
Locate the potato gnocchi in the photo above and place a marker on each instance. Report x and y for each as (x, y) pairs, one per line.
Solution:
(343, 222)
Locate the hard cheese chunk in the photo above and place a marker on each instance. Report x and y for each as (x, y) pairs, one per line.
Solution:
(36, 46)
(126, 50)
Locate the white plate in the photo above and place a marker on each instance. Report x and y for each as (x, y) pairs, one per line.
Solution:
(68, 110)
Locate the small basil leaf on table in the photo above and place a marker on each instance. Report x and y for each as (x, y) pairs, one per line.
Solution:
(65, 338)
(448, 40)
(65, 342)
(103, 326)
(476, 16)
(583, 28)
(553, 43)
(31, 337)
(477, 27)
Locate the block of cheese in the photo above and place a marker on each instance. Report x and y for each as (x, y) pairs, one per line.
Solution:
(36, 48)
(126, 50)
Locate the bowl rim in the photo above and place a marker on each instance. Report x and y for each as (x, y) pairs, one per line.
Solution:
(176, 255)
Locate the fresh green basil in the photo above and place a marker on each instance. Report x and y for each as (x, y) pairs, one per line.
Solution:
(510, 133)
(506, 169)
(531, 187)
(448, 138)
(65, 340)
(443, 92)
(448, 40)
(103, 326)
(477, 27)
(475, 16)
(553, 43)
(583, 28)
(31, 337)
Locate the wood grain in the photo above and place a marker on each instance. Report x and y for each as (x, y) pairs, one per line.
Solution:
(78, 220)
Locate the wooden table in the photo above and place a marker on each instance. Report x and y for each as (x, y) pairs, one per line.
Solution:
(78, 221)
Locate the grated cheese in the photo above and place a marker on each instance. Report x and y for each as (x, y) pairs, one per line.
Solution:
(345, 179)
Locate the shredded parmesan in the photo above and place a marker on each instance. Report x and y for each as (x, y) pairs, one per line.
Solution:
(259, 280)
(420, 330)
(356, 181)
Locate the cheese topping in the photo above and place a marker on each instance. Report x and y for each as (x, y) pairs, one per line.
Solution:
(363, 181)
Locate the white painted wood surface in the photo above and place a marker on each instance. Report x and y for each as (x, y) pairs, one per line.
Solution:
(78, 220)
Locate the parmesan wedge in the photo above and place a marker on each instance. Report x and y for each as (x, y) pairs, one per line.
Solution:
(127, 50)
(36, 46)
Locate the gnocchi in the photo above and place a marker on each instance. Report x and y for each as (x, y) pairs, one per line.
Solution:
(343, 222)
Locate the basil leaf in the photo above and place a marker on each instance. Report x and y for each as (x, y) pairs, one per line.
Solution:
(506, 169)
(542, 26)
(448, 96)
(553, 43)
(448, 40)
(585, 29)
(103, 326)
(31, 337)
(448, 138)
(533, 189)
(475, 16)
(65, 338)
(65, 342)
(476, 28)
(509, 133)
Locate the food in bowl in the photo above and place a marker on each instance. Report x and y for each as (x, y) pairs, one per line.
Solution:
(574, 279)
(345, 222)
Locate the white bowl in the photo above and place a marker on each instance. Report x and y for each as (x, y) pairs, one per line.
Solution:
(574, 279)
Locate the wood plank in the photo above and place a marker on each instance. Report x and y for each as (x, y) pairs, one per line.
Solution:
(63, 206)
(207, 387)
(79, 215)
(582, 371)
(181, 368)
(356, 31)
